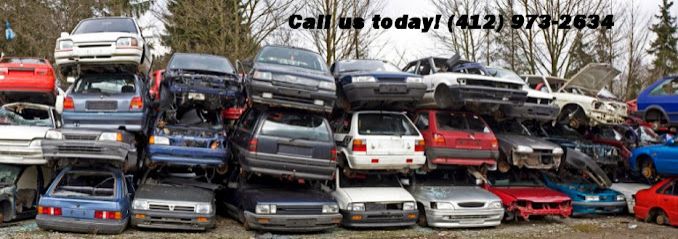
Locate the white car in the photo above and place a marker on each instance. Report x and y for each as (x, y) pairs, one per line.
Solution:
(582, 99)
(378, 140)
(629, 190)
(110, 40)
(539, 105)
(23, 127)
(373, 200)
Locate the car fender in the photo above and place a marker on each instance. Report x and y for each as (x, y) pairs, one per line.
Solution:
(654, 107)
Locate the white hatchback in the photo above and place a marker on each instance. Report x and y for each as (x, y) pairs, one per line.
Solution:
(378, 140)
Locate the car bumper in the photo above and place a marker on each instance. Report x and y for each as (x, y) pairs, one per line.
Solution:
(536, 160)
(469, 157)
(304, 99)
(526, 211)
(605, 117)
(587, 207)
(97, 150)
(393, 218)
(283, 165)
(382, 91)
(98, 226)
(132, 121)
(222, 91)
(486, 95)
(532, 111)
(22, 155)
(293, 223)
(172, 220)
(101, 55)
(386, 161)
(177, 155)
(465, 218)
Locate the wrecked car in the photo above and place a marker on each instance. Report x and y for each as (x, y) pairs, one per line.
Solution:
(539, 105)
(456, 138)
(658, 203)
(582, 99)
(452, 199)
(378, 140)
(656, 103)
(373, 200)
(654, 161)
(285, 143)
(455, 83)
(23, 126)
(629, 189)
(616, 136)
(274, 204)
(375, 83)
(199, 80)
(291, 77)
(87, 200)
(521, 149)
(20, 189)
(175, 199)
(24, 79)
(524, 195)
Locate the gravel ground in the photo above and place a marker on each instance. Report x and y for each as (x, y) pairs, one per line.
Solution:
(592, 227)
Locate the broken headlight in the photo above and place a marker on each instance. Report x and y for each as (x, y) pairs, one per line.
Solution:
(203, 208)
(523, 149)
(557, 151)
(441, 205)
(262, 75)
(409, 206)
(54, 135)
(266, 209)
(597, 104)
(333, 208)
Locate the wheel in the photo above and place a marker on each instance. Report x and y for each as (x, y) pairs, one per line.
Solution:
(502, 164)
(574, 116)
(655, 118)
(648, 170)
(342, 163)
(661, 218)
(422, 221)
(442, 96)
(509, 216)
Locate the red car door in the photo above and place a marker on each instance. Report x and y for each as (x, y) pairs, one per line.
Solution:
(670, 202)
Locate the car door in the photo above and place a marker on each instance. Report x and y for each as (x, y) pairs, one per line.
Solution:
(673, 201)
(342, 128)
(666, 158)
(245, 129)
(665, 95)
(423, 123)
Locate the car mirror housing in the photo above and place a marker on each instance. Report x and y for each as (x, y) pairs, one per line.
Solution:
(65, 34)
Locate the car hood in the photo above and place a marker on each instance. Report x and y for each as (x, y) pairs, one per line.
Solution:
(13, 132)
(594, 76)
(390, 194)
(99, 37)
(292, 70)
(282, 195)
(162, 192)
(530, 141)
(629, 189)
(581, 164)
(535, 194)
(453, 193)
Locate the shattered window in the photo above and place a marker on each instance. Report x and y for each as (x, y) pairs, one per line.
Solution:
(385, 124)
(296, 126)
(25, 116)
(669, 87)
(8, 174)
(292, 57)
(86, 184)
(514, 178)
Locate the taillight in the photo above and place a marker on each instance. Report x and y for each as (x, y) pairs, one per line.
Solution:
(108, 215)
(419, 146)
(52, 211)
(359, 145)
(253, 145)
(4, 70)
(438, 139)
(136, 103)
(495, 144)
(333, 154)
(68, 103)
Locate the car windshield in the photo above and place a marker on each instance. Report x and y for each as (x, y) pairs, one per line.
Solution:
(515, 178)
(201, 62)
(510, 127)
(292, 57)
(25, 117)
(105, 84)
(9, 173)
(440, 178)
(86, 184)
(504, 74)
(365, 65)
(385, 124)
(460, 121)
(21, 60)
(360, 180)
(296, 126)
(106, 25)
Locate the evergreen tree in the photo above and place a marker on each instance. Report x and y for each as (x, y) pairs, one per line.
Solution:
(664, 46)
(579, 55)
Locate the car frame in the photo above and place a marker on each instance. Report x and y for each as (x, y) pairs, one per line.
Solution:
(21, 144)
(19, 198)
(656, 204)
(17, 84)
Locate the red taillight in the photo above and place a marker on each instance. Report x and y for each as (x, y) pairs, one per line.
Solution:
(52, 211)
(253, 145)
(409, 160)
(375, 160)
(333, 154)
(136, 103)
(419, 146)
(359, 145)
(68, 103)
(438, 139)
(495, 144)
(108, 215)
(4, 70)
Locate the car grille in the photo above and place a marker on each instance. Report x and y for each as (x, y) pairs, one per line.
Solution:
(538, 101)
(299, 210)
(80, 137)
(78, 149)
(391, 79)
(170, 207)
(93, 45)
(467, 217)
(471, 204)
(383, 206)
(495, 84)
(101, 105)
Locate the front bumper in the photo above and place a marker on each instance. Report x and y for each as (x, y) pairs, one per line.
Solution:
(605, 117)
(22, 155)
(591, 207)
(97, 226)
(467, 94)
(298, 98)
(387, 162)
(540, 209)
(387, 218)
(384, 91)
(132, 121)
(464, 218)
(99, 55)
(177, 155)
(284, 165)
(292, 223)
(83, 149)
(172, 220)
(532, 111)
(468, 157)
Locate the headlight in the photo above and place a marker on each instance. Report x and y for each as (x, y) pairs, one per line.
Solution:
(35, 143)
(65, 45)
(409, 206)
(442, 205)
(597, 104)
(523, 149)
(356, 207)
(330, 208)
(140, 204)
(558, 151)
(127, 42)
(591, 198)
(54, 135)
(111, 137)
(159, 140)
(363, 79)
(265, 209)
(621, 197)
(461, 81)
(262, 75)
(614, 152)
(496, 205)
(329, 85)
(413, 80)
(203, 208)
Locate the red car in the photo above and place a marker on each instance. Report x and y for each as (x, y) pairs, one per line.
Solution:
(659, 203)
(155, 86)
(524, 195)
(456, 138)
(27, 79)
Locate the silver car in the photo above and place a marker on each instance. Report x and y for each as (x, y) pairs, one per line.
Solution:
(452, 199)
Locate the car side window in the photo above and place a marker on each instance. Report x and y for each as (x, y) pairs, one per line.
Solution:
(250, 120)
(425, 67)
(666, 88)
(343, 124)
(411, 68)
(422, 121)
(441, 65)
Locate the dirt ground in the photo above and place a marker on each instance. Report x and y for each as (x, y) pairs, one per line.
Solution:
(604, 227)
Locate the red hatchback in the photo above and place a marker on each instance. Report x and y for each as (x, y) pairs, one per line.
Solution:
(659, 203)
(27, 79)
(456, 138)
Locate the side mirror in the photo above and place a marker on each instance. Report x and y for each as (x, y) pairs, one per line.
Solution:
(405, 181)
(70, 79)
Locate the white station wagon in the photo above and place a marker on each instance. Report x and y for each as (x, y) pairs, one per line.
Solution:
(382, 140)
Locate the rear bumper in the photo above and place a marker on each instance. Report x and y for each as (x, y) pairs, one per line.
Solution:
(283, 165)
(98, 150)
(292, 97)
(390, 218)
(486, 95)
(469, 157)
(22, 155)
(293, 223)
(384, 91)
(386, 161)
(132, 121)
(177, 155)
(466, 218)
(97, 226)
(532, 111)
(588, 207)
(172, 220)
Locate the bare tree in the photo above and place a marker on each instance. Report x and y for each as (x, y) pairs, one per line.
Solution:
(470, 44)
(636, 37)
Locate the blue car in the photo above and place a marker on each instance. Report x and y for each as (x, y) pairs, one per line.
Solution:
(106, 102)
(658, 103)
(653, 160)
(193, 138)
(87, 201)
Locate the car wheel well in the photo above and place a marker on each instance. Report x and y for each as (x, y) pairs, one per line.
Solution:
(655, 114)
(653, 213)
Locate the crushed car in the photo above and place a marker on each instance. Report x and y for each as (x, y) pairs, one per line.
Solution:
(20, 189)
(24, 79)
(23, 127)
(654, 161)
(539, 105)
(658, 203)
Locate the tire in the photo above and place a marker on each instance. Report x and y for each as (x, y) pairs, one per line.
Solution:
(661, 218)
(422, 221)
(509, 216)
(574, 116)
(648, 170)
(655, 118)
(503, 165)
(441, 96)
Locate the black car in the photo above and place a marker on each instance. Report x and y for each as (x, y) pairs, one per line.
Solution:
(274, 204)
(368, 83)
(291, 77)
(285, 143)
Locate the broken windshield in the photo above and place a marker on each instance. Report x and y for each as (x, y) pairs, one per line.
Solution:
(514, 178)
(25, 117)
(86, 184)
(8, 174)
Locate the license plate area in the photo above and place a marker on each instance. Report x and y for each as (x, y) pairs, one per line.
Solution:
(300, 222)
(294, 150)
(101, 105)
(392, 89)
(196, 96)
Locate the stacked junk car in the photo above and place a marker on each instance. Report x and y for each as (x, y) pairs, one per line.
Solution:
(284, 142)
